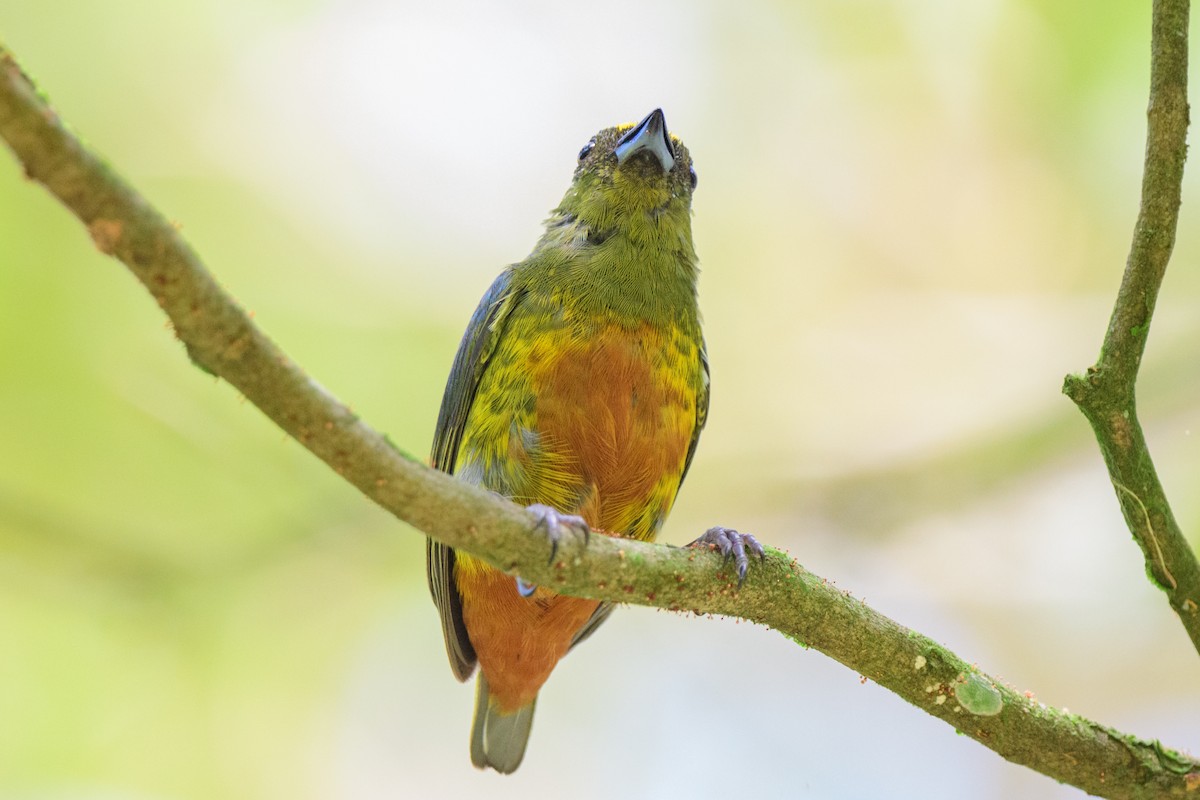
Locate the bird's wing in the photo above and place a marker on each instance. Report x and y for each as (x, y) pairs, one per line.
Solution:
(602, 612)
(474, 352)
(701, 411)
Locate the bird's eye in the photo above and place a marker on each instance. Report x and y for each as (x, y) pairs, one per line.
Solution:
(587, 148)
(692, 176)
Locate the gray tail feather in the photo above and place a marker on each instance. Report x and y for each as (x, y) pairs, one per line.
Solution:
(498, 739)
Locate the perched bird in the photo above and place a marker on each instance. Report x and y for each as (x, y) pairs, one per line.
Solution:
(579, 389)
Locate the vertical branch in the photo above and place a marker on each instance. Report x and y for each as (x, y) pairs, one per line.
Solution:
(1106, 394)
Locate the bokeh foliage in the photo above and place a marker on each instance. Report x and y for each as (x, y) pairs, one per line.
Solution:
(912, 218)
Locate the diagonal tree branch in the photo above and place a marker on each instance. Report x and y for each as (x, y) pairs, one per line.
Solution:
(221, 339)
(1106, 394)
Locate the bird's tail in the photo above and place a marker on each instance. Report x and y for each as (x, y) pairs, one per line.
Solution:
(498, 738)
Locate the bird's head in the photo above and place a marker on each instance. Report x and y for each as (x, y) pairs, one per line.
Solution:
(632, 178)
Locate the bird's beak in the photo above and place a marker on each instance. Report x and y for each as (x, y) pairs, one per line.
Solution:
(649, 134)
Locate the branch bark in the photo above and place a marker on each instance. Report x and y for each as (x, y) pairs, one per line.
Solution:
(221, 339)
(1106, 393)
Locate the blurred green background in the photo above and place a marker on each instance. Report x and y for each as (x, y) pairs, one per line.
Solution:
(912, 218)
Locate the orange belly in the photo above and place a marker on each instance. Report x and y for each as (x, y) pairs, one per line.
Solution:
(518, 639)
(606, 436)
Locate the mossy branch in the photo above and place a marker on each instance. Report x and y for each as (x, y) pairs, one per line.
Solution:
(221, 339)
(1106, 393)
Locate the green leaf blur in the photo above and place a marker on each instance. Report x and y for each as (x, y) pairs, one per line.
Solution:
(911, 220)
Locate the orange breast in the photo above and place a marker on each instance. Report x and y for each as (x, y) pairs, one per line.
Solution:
(619, 411)
(606, 437)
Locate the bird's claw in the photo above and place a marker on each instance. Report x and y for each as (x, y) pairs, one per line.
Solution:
(554, 523)
(732, 545)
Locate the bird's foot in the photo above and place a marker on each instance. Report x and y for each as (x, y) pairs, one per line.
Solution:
(556, 525)
(732, 545)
